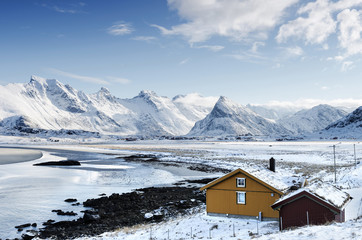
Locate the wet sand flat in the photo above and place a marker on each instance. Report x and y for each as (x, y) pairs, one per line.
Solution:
(16, 155)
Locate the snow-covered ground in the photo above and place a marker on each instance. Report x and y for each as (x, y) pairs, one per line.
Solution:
(199, 225)
(202, 226)
(295, 161)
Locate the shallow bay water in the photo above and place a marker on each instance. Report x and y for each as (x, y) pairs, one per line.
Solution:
(29, 193)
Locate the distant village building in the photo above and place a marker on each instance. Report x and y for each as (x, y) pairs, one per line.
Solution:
(316, 204)
(240, 194)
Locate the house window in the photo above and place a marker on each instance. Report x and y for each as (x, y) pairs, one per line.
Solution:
(240, 182)
(241, 197)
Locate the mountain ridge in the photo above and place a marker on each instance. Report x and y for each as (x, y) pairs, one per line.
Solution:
(230, 118)
(51, 105)
(312, 120)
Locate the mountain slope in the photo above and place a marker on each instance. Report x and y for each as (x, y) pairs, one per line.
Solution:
(229, 118)
(49, 104)
(272, 113)
(157, 114)
(194, 106)
(349, 127)
(312, 120)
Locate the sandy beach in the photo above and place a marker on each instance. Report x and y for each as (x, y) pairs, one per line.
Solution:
(16, 155)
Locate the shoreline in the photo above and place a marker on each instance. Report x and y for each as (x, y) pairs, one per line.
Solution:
(18, 155)
(117, 211)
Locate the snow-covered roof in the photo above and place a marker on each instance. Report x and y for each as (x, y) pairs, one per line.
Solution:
(275, 179)
(265, 177)
(324, 191)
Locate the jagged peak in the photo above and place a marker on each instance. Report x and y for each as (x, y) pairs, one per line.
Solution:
(358, 110)
(224, 101)
(37, 79)
(43, 81)
(147, 93)
(175, 98)
(104, 90)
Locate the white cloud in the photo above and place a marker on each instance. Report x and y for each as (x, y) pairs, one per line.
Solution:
(79, 77)
(347, 65)
(119, 80)
(239, 20)
(294, 51)
(144, 38)
(315, 28)
(70, 8)
(184, 61)
(214, 48)
(256, 46)
(350, 28)
(309, 103)
(120, 29)
(324, 88)
(277, 66)
(64, 10)
(321, 19)
(248, 56)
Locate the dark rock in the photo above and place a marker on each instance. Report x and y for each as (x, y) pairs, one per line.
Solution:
(27, 237)
(62, 213)
(23, 226)
(158, 216)
(141, 157)
(87, 217)
(49, 222)
(70, 200)
(207, 169)
(59, 163)
(201, 181)
(128, 209)
(34, 225)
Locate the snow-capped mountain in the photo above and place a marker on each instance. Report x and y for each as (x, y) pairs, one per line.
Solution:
(272, 113)
(157, 114)
(194, 106)
(312, 120)
(49, 104)
(349, 127)
(229, 118)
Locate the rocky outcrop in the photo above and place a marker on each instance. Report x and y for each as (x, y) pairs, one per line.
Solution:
(128, 209)
(59, 163)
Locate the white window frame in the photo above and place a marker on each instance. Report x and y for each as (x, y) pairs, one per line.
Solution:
(242, 180)
(241, 198)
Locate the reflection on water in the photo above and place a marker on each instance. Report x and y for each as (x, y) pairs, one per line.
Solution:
(28, 193)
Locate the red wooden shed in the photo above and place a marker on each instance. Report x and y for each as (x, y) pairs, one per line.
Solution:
(313, 206)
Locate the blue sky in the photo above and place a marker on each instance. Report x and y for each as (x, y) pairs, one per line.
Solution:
(252, 51)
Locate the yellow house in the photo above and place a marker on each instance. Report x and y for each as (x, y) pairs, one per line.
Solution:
(240, 194)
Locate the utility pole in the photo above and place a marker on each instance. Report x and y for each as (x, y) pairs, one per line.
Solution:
(355, 158)
(335, 170)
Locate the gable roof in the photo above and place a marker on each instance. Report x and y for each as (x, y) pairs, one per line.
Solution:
(305, 193)
(229, 175)
(323, 193)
